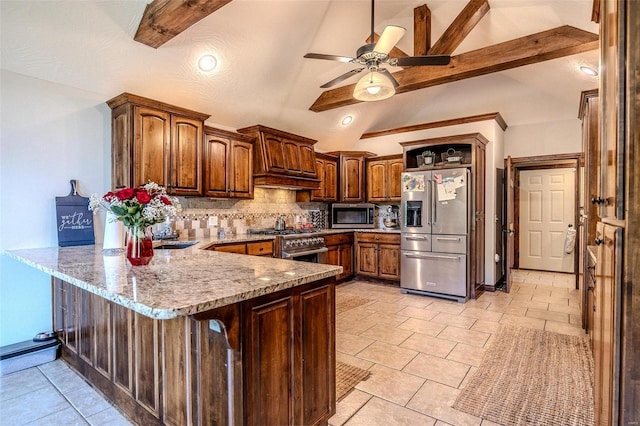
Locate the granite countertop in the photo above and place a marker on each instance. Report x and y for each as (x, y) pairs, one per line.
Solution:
(177, 282)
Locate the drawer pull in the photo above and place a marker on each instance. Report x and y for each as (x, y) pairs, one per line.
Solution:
(432, 256)
(448, 239)
(416, 238)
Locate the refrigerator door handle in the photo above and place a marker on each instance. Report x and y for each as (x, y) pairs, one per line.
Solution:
(433, 201)
(412, 238)
(431, 256)
(448, 239)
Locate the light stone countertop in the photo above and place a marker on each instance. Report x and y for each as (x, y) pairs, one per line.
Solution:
(177, 282)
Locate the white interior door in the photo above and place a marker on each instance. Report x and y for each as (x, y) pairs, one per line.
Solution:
(547, 208)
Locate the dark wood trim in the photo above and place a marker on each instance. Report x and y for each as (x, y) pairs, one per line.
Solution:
(139, 100)
(466, 20)
(281, 133)
(585, 96)
(165, 19)
(466, 138)
(385, 157)
(442, 123)
(595, 11)
(208, 130)
(532, 49)
(546, 162)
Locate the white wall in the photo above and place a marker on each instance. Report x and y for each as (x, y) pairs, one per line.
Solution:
(559, 137)
(50, 134)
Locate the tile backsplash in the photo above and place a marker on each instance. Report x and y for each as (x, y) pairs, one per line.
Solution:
(204, 217)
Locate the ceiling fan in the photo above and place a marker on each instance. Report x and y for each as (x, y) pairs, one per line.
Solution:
(379, 83)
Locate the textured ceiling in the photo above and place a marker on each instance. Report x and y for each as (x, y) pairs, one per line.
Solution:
(262, 77)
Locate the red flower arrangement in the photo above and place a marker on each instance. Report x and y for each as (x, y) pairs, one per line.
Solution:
(137, 208)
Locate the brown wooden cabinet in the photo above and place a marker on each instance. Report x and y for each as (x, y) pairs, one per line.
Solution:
(472, 150)
(154, 141)
(327, 168)
(378, 255)
(605, 314)
(253, 248)
(383, 178)
(282, 158)
(340, 252)
(290, 350)
(351, 175)
(228, 164)
(267, 360)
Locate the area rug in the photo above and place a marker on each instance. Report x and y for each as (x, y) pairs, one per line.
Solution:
(347, 377)
(344, 302)
(532, 377)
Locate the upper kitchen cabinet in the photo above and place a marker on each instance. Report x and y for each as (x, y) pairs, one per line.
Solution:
(351, 175)
(228, 164)
(154, 141)
(283, 159)
(327, 168)
(383, 178)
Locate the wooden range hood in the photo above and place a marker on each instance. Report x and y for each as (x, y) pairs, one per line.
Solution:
(282, 159)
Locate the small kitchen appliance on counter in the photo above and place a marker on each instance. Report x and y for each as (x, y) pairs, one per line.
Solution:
(388, 217)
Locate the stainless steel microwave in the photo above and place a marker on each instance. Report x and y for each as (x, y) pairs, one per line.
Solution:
(344, 215)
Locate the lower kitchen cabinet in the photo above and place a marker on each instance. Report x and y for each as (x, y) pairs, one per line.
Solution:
(340, 252)
(609, 243)
(378, 255)
(253, 248)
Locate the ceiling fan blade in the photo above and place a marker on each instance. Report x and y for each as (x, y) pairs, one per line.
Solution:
(329, 57)
(390, 77)
(390, 36)
(412, 61)
(341, 78)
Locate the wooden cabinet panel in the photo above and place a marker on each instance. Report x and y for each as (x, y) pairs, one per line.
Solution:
(216, 166)
(185, 161)
(154, 141)
(228, 164)
(152, 129)
(292, 156)
(175, 362)
(351, 179)
(269, 362)
(282, 158)
(389, 261)
(319, 194)
(241, 166)
(240, 248)
(85, 327)
(307, 161)
(394, 185)
(376, 180)
(378, 255)
(102, 336)
(604, 320)
(330, 181)
(123, 348)
(317, 310)
(327, 170)
(261, 248)
(146, 363)
(340, 252)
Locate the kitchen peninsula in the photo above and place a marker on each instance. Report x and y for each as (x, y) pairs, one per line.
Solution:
(197, 336)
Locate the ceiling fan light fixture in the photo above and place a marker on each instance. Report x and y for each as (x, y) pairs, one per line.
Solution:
(373, 86)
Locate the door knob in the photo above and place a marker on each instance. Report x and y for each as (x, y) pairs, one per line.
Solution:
(597, 200)
(598, 241)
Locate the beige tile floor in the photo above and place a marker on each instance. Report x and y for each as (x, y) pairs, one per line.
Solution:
(421, 351)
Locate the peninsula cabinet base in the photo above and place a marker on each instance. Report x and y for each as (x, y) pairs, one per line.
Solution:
(267, 360)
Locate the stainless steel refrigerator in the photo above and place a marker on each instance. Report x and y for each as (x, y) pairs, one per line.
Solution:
(435, 233)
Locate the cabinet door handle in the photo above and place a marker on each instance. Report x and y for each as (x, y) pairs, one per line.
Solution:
(448, 239)
(597, 200)
(598, 241)
(415, 238)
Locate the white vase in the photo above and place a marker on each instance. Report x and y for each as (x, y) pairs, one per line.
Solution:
(113, 234)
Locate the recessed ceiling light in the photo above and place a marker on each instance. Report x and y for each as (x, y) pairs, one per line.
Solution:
(207, 63)
(347, 120)
(588, 70)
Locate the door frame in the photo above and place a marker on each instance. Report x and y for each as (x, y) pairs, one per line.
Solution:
(575, 160)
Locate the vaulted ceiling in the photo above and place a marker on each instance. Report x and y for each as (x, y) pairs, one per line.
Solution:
(263, 78)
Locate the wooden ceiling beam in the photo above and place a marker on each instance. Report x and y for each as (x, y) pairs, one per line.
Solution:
(531, 49)
(421, 30)
(165, 19)
(460, 27)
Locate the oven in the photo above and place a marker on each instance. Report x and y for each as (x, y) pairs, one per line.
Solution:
(303, 247)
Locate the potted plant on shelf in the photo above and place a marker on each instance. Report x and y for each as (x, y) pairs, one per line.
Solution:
(138, 209)
(429, 158)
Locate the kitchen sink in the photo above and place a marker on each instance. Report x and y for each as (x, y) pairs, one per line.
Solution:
(175, 245)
